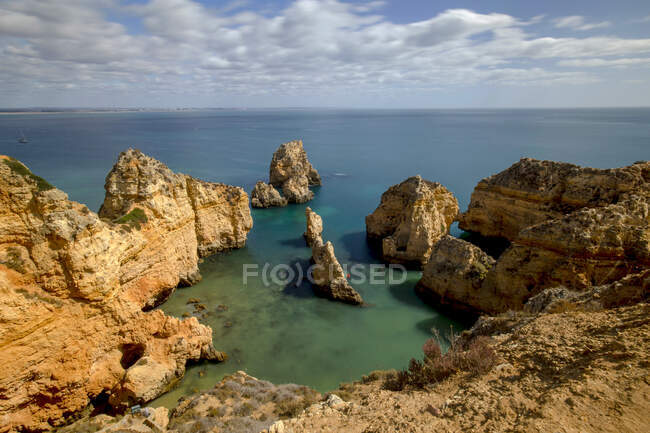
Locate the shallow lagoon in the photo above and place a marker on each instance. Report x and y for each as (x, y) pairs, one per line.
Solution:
(283, 333)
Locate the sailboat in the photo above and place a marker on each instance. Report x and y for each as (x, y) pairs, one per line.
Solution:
(22, 138)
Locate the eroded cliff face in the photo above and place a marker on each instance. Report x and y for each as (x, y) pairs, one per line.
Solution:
(533, 191)
(329, 280)
(587, 227)
(180, 219)
(410, 219)
(74, 286)
(292, 172)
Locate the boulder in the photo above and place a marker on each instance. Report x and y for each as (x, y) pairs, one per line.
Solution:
(292, 172)
(533, 191)
(454, 275)
(410, 219)
(75, 288)
(264, 196)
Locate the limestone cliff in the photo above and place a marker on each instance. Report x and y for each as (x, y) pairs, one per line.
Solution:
(197, 218)
(589, 227)
(410, 219)
(292, 172)
(264, 196)
(533, 191)
(74, 286)
(327, 274)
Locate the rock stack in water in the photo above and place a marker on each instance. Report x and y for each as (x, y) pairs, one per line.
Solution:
(410, 219)
(569, 226)
(292, 173)
(76, 288)
(264, 195)
(327, 273)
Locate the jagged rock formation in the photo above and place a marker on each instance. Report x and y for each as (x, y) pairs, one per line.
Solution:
(292, 172)
(264, 195)
(454, 275)
(328, 278)
(74, 286)
(314, 231)
(586, 248)
(605, 239)
(410, 219)
(533, 191)
(198, 218)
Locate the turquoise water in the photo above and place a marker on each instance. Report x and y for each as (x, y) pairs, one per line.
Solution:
(283, 333)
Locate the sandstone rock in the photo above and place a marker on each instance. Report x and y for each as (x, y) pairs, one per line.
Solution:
(328, 278)
(533, 191)
(73, 288)
(410, 219)
(454, 275)
(198, 218)
(314, 227)
(586, 248)
(264, 195)
(222, 216)
(292, 172)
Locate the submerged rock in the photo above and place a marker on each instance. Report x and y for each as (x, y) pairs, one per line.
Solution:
(410, 219)
(264, 196)
(533, 191)
(74, 286)
(292, 172)
(328, 277)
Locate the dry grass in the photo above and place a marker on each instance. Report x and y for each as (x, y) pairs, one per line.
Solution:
(475, 358)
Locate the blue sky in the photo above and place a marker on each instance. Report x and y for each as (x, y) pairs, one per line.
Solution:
(329, 53)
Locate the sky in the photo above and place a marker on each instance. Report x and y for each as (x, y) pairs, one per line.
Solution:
(324, 53)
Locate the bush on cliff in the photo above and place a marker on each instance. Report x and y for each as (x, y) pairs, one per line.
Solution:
(18, 168)
(476, 358)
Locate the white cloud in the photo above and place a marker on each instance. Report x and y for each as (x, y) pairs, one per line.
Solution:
(596, 63)
(311, 47)
(577, 22)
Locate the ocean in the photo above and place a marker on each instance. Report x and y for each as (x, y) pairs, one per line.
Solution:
(283, 333)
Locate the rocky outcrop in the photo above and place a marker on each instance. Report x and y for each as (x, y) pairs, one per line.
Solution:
(74, 288)
(587, 248)
(327, 276)
(594, 230)
(264, 196)
(454, 275)
(169, 209)
(533, 191)
(410, 219)
(292, 172)
(314, 231)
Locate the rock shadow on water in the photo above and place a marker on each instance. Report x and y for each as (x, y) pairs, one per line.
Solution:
(299, 286)
(405, 293)
(298, 242)
(359, 249)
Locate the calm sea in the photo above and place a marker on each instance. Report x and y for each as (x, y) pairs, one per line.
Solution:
(285, 334)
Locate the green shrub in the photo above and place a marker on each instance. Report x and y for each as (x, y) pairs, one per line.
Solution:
(18, 168)
(134, 218)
